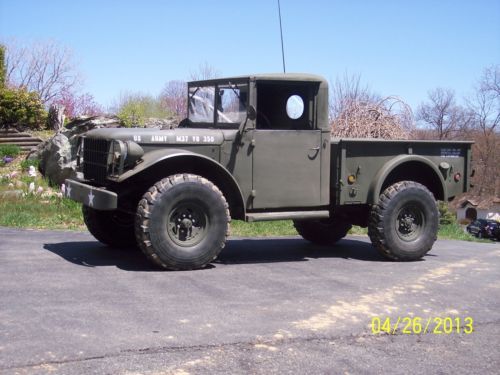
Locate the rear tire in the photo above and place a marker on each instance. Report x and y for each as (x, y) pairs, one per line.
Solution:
(182, 222)
(403, 225)
(113, 228)
(322, 232)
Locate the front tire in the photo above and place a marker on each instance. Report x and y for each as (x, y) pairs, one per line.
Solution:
(322, 232)
(403, 225)
(112, 228)
(182, 222)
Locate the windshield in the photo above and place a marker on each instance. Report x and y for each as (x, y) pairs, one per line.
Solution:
(230, 100)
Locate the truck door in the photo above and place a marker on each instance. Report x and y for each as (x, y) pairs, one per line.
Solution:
(287, 148)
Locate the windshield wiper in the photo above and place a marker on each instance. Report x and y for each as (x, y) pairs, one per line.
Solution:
(195, 91)
(232, 86)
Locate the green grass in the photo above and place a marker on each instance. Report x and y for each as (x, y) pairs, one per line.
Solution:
(56, 213)
(9, 150)
(454, 231)
(38, 212)
(358, 231)
(262, 228)
(41, 213)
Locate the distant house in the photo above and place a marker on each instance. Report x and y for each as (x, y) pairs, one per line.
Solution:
(472, 208)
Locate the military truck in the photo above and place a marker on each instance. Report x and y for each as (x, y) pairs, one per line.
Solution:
(257, 148)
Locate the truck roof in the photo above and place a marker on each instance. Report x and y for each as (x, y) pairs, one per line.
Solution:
(300, 77)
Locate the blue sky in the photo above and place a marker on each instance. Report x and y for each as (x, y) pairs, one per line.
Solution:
(402, 48)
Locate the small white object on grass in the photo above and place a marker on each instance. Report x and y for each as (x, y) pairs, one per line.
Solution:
(32, 171)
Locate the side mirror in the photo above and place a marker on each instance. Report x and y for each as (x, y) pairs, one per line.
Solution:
(251, 113)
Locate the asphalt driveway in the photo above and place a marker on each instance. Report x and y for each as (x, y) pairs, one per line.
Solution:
(70, 305)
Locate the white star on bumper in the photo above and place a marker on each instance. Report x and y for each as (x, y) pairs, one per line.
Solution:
(91, 199)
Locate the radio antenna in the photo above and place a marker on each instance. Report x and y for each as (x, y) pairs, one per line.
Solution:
(281, 33)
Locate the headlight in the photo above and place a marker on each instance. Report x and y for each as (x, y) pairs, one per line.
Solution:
(134, 153)
(79, 151)
(116, 158)
(123, 155)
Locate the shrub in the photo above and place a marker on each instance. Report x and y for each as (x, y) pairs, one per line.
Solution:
(21, 107)
(446, 217)
(135, 109)
(9, 150)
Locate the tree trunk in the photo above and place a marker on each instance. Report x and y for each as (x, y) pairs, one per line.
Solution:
(56, 117)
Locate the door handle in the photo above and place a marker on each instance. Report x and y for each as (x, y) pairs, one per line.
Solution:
(314, 153)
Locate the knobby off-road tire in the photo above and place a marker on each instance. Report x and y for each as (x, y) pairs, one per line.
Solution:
(403, 225)
(182, 222)
(113, 228)
(322, 232)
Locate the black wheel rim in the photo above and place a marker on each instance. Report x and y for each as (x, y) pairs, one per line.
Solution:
(410, 222)
(187, 223)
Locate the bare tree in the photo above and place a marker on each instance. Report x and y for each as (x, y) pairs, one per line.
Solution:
(205, 71)
(174, 97)
(491, 80)
(357, 112)
(2, 66)
(443, 115)
(484, 107)
(78, 104)
(345, 90)
(45, 67)
(174, 94)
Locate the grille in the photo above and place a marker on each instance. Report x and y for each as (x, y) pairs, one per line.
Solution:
(95, 158)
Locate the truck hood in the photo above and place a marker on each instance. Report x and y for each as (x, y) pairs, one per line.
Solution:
(178, 136)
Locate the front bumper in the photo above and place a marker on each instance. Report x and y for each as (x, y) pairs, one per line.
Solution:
(97, 198)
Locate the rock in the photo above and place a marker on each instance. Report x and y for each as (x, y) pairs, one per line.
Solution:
(84, 124)
(161, 123)
(56, 159)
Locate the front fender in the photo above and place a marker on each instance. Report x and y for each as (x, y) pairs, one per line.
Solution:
(387, 168)
(165, 160)
(156, 156)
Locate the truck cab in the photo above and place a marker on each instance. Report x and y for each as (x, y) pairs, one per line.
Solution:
(286, 132)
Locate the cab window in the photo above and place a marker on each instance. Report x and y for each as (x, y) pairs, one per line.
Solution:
(282, 106)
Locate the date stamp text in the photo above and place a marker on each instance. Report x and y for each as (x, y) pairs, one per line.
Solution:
(410, 325)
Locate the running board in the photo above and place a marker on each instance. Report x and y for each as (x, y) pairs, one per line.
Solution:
(295, 215)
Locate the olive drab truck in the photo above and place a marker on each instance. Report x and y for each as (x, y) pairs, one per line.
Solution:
(257, 148)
